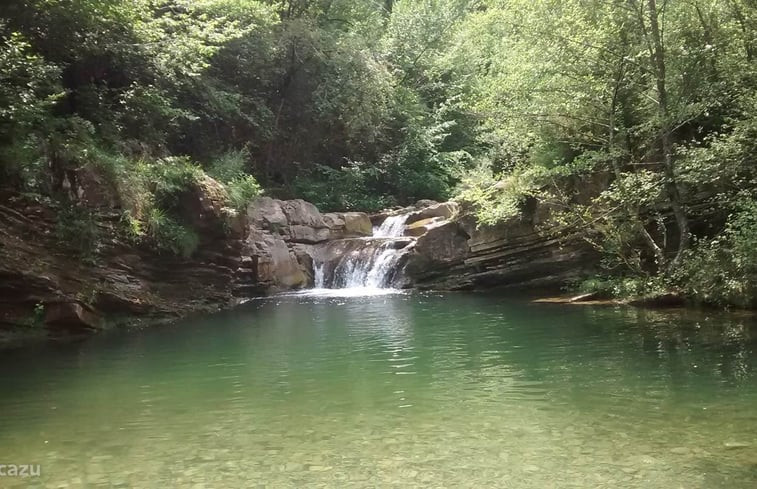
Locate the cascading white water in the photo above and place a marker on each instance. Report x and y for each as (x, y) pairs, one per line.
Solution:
(369, 263)
(318, 276)
(392, 227)
(369, 267)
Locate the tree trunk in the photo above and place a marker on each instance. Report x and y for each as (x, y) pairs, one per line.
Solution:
(666, 137)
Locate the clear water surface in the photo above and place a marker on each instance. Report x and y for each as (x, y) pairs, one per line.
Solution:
(392, 390)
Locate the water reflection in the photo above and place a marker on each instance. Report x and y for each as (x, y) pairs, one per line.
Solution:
(404, 389)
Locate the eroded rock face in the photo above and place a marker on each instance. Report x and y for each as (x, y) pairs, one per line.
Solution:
(456, 253)
(278, 264)
(73, 316)
(419, 228)
(356, 225)
(267, 213)
(443, 244)
(117, 280)
(278, 249)
(300, 212)
(299, 221)
(205, 208)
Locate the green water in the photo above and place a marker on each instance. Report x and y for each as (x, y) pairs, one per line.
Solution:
(412, 390)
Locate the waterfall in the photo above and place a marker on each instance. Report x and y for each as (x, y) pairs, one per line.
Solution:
(392, 227)
(370, 267)
(318, 276)
(364, 263)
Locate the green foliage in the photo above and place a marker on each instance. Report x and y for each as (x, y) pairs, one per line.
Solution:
(130, 227)
(229, 165)
(499, 199)
(354, 106)
(78, 231)
(229, 169)
(28, 84)
(623, 287)
(29, 87)
(723, 270)
(169, 178)
(347, 188)
(242, 191)
(169, 235)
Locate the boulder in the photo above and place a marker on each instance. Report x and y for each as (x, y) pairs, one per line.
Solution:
(348, 225)
(334, 220)
(379, 217)
(357, 224)
(300, 212)
(72, 316)
(444, 244)
(445, 210)
(437, 249)
(276, 266)
(267, 213)
(307, 234)
(419, 228)
(205, 207)
(294, 221)
(304, 255)
(237, 223)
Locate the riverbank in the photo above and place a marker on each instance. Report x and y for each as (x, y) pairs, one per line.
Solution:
(70, 274)
(671, 302)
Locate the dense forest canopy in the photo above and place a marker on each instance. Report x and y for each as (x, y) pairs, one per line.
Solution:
(634, 120)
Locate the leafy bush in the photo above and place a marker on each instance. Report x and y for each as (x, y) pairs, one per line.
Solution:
(242, 190)
(229, 165)
(498, 198)
(131, 227)
(723, 271)
(229, 169)
(170, 177)
(623, 287)
(29, 87)
(169, 235)
(353, 187)
(77, 229)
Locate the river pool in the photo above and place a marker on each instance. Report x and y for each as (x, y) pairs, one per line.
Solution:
(392, 390)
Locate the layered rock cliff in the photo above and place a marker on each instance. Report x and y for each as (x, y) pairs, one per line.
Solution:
(46, 285)
(453, 252)
(44, 281)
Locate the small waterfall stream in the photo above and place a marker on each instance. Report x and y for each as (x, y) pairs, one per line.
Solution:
(372, 263)
(392, 227)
